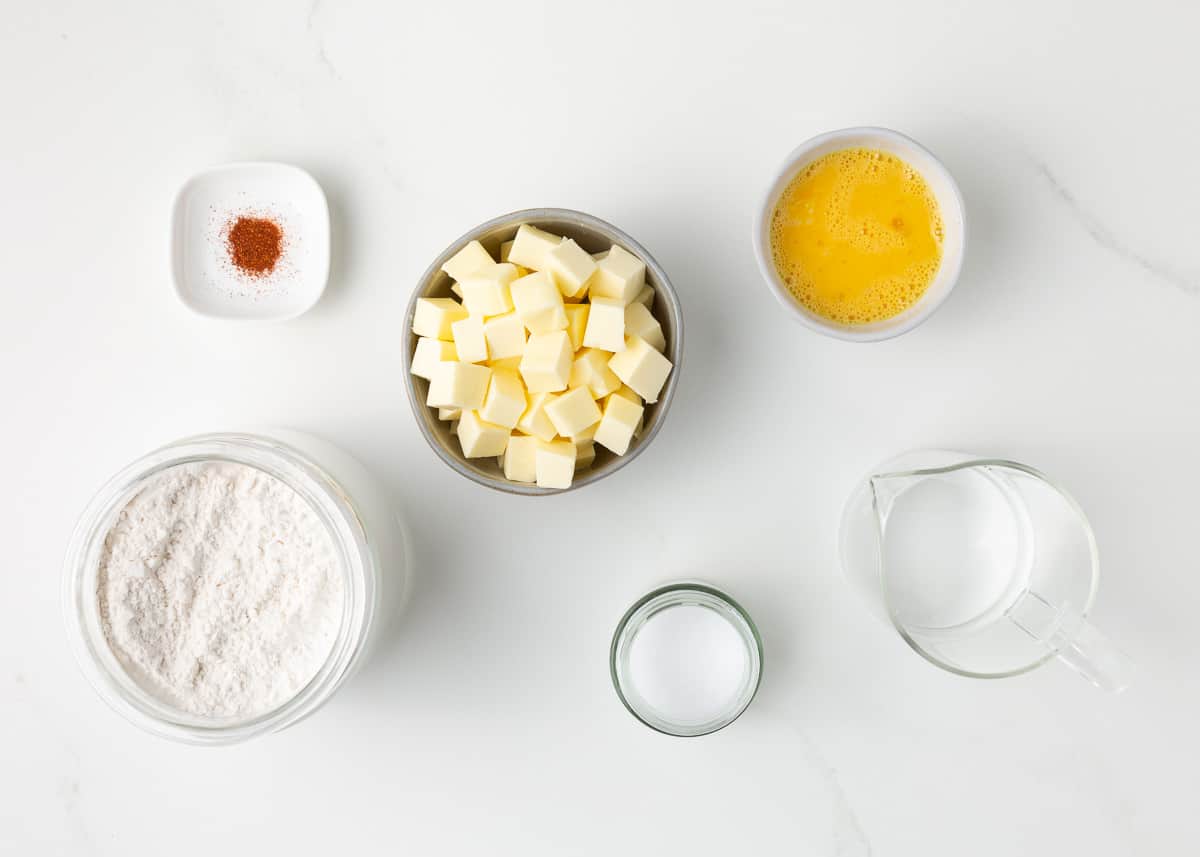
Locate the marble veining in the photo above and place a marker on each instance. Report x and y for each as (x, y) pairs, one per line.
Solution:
(849, 838)
(1187, 282)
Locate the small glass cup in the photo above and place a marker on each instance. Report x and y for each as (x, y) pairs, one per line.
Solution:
(642, 614)
(370, 550)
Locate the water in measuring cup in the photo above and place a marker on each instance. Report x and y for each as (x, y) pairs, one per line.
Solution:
(957, 549)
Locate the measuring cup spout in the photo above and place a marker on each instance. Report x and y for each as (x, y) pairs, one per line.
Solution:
(886, 488)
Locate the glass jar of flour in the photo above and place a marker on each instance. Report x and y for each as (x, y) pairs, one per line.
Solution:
(225, 586)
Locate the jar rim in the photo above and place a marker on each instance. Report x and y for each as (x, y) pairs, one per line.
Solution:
(330, 503)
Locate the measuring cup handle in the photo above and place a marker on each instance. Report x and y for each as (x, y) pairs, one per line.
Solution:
(1090, 654)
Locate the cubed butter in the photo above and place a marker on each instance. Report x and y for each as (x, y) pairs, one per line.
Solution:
(433, 317)
(573, 412)
(513, 364)
(546, 364)
(449, 414)
(621, 417)
(520, 458)
(454, 287)
(505, 400)
(646, 297)
(534, 421)
(485, 292)
(505, 247)
(555, 464)
(590, 369)
(539, 303)
(458, 385)
(469, 340)
(468, 260)
(505, 335)
(571, 267)
(585, 454)
(430, 352)
(479, 438)
(577, 316)
(605, 324)
(642, 368)
(530, 247)
(627, 393)
(640, 322)
(619, 276)
(587, 434)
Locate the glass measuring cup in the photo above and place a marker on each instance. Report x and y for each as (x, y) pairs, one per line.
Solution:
(985, 567)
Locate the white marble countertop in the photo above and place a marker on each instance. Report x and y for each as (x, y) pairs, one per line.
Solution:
(487, 724)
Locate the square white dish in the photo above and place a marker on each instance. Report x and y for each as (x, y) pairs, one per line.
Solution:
(201, 269)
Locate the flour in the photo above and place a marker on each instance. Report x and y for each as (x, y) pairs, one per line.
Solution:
(219, 590)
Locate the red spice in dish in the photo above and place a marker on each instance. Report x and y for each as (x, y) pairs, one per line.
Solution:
(255, 245)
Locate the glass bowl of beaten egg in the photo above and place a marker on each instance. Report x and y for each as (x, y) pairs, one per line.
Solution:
(594, 236)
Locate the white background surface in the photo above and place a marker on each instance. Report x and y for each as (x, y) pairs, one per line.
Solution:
(487, 725)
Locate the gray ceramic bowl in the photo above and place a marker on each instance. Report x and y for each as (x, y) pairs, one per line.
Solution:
(593, 235)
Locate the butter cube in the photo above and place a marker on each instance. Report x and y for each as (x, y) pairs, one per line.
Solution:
(646, 297)
(621, 417)
(512, 364)
(627, 393)
(430, 352)
(505, 335)
(530, 247)
(605, 324)
(534, 421)
(585, 435)
(585, 454)
(577, 316)
(505, 400)
(555, 464)
(520, 459)
(640, 322)
(598, 256)
(485, 293)
(505, 246)
(620, 276)
(480, 439)
(571, 267)
(458, 385)
(469, 339)
(590, 370)
(457, 290)
(546, 364)
(468, 260)
(433, 317)
(539, 303)
(642, 368)
(573, 412)
(449, 414)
